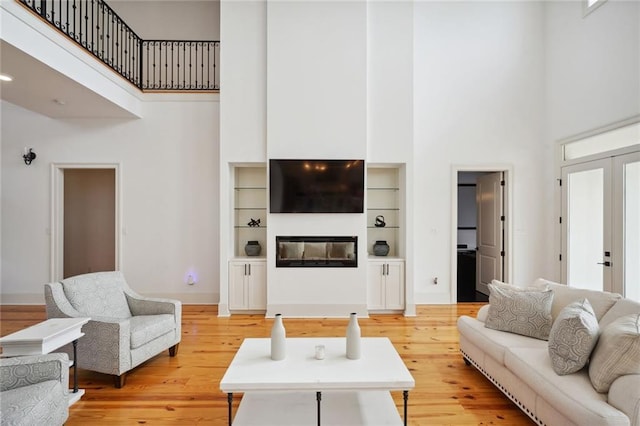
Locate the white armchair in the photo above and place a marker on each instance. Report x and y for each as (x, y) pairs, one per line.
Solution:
(125, 329)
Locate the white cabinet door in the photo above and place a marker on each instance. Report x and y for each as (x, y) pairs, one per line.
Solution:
(394, 286)
(237, 285)
(257, 285)
(247, 285)
(375, 285)
(385, 285)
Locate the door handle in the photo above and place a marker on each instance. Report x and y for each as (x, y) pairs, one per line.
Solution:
(605, 263)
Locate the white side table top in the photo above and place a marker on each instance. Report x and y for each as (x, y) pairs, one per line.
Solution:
(43, 337)
(380, 367)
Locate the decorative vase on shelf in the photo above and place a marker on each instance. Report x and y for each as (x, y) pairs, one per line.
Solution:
(252, 248)
(278, 339)
(381, 248)
(353, 337)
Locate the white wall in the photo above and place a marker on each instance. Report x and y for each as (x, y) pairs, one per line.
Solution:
(169, 191)
(478, 99)
(593, 66)
(171, 20)
(317, 108)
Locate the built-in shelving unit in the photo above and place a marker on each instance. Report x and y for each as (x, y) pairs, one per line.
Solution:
(386, 286)
(383, 199)
(247, 274)
(250, 203)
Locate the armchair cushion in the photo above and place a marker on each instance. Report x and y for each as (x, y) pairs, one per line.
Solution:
(98, 294)
(145, 328)
(38, 404)
(34, 390)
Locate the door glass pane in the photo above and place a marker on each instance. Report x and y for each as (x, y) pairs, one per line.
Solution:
(631, 227)
(585, 230)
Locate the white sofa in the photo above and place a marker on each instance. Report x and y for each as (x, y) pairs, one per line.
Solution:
(522, 369)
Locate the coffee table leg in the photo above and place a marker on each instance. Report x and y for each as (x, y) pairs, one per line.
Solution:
(405, 396)
(75, 366)
(319, 398)
(230, 401)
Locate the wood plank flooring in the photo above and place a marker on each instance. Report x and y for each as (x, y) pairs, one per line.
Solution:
(185, 390)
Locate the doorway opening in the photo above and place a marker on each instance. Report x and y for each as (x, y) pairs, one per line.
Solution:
(480, 231)
(85, 217)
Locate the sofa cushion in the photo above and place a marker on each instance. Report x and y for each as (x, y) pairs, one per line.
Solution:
(621, 308)
(494, 342)
(572, 394)
(521, 311)
(43, 403)
(145, 328)
(601, 301)
(97, 294)
(573, 336)
(617, 352)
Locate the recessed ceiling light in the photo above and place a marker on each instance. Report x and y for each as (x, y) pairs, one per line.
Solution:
(5, 77)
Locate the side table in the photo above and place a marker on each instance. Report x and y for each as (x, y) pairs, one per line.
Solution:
(45, 337)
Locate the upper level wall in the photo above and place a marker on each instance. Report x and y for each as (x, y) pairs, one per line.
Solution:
(593, 65)
(171, 20)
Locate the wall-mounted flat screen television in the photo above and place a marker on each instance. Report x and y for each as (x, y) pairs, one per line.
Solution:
(316, 186)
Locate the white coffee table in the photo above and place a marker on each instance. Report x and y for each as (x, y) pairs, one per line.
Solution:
(275, 387)
(44, 338)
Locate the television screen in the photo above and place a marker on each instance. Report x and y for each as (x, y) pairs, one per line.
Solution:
(316, 186)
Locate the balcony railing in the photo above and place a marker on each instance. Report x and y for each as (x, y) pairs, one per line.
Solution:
(150, 65)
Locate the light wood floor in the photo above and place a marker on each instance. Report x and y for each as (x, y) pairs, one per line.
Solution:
(185, 390)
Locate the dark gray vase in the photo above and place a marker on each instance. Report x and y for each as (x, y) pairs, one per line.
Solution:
(381, 248)
(253, 248)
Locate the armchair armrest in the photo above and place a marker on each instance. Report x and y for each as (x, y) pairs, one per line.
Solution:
(27, 370)
(140, 305)
(58, 306)
(108, 339)
(624, 395)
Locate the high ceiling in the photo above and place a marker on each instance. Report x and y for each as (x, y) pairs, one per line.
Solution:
(43, 90)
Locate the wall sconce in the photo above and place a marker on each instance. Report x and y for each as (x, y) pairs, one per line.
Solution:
(28, 156)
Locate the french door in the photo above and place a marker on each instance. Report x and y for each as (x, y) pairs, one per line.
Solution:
(600, 224)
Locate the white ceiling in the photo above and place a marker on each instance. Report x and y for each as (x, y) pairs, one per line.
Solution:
(43, 90)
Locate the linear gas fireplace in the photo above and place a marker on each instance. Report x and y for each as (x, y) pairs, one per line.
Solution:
(317, 252)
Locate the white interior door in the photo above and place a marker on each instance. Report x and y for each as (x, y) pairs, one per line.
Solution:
(601, 224)
(490, 233)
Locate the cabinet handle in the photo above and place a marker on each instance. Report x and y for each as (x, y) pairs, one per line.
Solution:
(249, 269)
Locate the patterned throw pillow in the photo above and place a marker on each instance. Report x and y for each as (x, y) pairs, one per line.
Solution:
(617, 352)
(521, 311)
(573, 336)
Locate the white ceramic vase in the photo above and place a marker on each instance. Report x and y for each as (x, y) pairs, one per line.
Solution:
(278, 339)
(353, 337)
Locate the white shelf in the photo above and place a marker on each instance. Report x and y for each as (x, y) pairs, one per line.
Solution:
(250, 201)
(383, 199)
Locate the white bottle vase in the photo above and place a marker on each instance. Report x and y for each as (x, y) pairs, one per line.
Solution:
(353, 337)
(278, 339)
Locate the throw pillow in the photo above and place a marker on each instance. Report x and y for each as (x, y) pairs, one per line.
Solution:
(617, 352)
(520, 311)
(573, 336)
